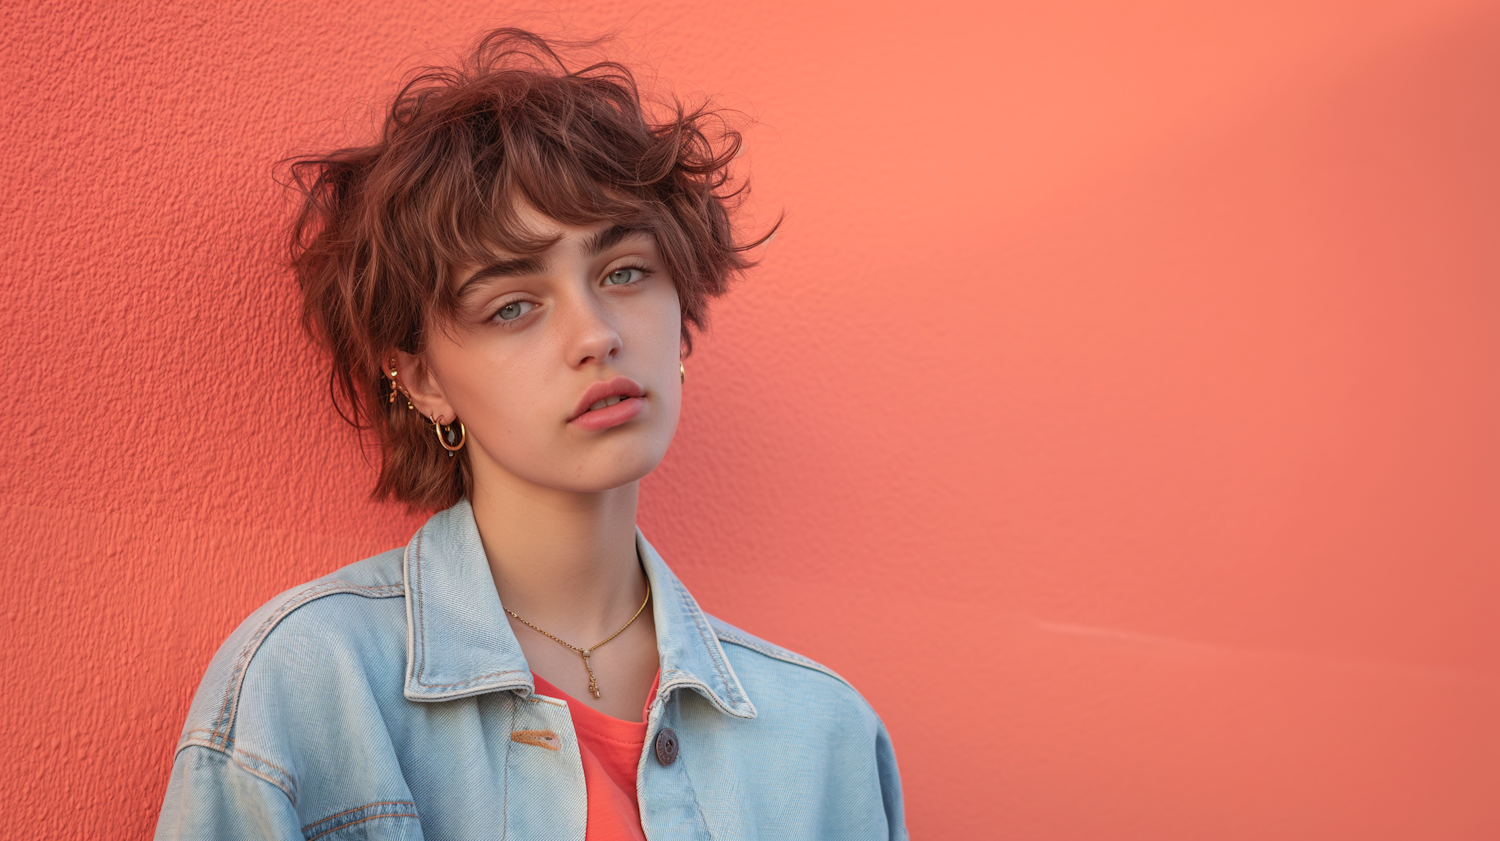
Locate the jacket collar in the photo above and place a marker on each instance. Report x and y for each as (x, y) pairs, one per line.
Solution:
(459, 642)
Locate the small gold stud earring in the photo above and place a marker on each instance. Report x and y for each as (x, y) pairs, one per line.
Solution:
(396, 386)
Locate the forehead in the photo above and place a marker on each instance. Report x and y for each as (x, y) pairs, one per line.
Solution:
(524, 230)
(538, 225)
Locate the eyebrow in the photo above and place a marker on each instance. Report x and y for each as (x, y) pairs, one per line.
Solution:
(599, 242)
(595, 244)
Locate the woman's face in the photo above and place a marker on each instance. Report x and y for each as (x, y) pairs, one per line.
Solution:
(539, 340)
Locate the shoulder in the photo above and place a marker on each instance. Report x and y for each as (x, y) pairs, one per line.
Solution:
(775, 676)
(323, 613)
(811, 727)
(350, 623)
(728, 634)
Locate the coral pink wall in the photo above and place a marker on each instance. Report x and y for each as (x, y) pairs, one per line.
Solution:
(1118, 408)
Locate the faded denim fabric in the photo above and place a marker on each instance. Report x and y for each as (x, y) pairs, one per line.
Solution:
(379, 702)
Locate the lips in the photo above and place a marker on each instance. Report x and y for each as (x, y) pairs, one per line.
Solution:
(607, 392)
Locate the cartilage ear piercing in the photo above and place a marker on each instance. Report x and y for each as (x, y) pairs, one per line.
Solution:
(396, 386)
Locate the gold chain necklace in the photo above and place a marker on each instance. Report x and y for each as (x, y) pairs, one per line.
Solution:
(585, 652)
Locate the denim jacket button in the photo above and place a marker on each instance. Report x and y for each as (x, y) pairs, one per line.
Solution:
(666, 746)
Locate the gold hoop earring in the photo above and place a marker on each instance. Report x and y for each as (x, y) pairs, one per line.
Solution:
(446, 437)
(682, 372)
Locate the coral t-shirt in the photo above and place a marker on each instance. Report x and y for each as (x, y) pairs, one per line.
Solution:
(611, 751)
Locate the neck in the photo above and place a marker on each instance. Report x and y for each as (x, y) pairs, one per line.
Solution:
(564, 560)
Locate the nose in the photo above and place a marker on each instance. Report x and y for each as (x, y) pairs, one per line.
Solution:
(591, 333)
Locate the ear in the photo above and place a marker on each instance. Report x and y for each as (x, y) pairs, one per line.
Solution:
(415, 379)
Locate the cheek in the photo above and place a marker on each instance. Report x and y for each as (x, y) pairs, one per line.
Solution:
(667, 321)
(651, 330)
(505, 390)
(475, 382)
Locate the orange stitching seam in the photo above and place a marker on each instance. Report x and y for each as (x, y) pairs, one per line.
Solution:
(265, 761)
(469, 681)
(229, 751)
(361, 820)
(778, 653)
(698, 623)
(505, 783)
(416, 565)
(357, 808)
(258, 774)
(421, 620)
(228, 707)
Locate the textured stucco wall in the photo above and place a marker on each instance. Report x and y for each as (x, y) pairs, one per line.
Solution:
(1117, 408)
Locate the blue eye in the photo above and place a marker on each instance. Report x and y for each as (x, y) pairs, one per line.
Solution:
(620, 277)
(514, 310)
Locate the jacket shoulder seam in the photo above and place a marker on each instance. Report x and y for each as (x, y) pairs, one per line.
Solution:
(229, 706)
(734, 636)
(286, 786)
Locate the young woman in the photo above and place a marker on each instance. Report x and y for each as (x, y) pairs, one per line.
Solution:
(506, 283)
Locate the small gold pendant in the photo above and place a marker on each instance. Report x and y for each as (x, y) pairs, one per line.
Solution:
(582, 652)
(593, 681)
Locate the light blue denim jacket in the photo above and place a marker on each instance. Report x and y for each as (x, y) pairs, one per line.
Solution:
(379, 702)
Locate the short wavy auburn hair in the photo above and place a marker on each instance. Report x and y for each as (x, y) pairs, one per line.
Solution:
(382, 228)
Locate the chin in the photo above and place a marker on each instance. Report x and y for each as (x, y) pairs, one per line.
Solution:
(601, 468)
(595, 464)
(618, 459)
(615, 470)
